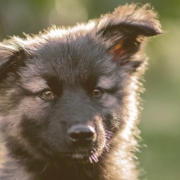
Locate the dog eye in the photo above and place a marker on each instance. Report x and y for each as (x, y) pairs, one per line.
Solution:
(47, 95)
(97, 93)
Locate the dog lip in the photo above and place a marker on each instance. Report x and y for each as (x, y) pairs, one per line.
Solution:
(80, 152)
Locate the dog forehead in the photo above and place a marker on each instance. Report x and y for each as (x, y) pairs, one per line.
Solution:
(72, 57)
(68, 68)
(81, 54)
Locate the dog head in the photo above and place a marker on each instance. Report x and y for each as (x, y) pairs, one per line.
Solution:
(68, 92)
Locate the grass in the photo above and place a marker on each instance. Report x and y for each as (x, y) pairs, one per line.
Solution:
(161, 158)
(160, 128)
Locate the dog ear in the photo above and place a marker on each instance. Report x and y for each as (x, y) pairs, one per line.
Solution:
(11, 54)
(123, 31)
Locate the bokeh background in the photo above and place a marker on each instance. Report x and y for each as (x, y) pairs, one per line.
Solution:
(160, 125)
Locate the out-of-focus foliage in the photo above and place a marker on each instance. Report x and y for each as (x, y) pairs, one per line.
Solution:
(161, 116)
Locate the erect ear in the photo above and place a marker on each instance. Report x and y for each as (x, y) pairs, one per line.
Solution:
(11, 54)
(123, 31)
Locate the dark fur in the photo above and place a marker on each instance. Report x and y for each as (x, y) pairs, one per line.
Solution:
(104, 54)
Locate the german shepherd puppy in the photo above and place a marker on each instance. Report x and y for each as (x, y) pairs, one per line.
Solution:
(69, 98)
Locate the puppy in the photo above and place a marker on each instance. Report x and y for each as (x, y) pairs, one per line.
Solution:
(69, 98)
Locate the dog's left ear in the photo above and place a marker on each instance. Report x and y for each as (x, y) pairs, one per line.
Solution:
(6, 52)
(123, 31)
(12, 53)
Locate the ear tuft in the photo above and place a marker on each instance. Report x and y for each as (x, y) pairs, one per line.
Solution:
(118, 49)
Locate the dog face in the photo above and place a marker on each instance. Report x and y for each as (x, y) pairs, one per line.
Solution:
(67, 93)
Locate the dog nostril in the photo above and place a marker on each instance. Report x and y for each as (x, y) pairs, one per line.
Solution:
(81, 133)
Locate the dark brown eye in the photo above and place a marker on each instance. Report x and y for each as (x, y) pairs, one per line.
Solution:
(97, 93)
(47, 95)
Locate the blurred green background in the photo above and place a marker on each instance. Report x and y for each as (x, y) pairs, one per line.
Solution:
(160, 123)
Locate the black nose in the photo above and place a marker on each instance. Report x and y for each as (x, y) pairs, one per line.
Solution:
(81, 133)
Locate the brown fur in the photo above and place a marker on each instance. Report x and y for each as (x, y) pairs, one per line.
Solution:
(93, 71)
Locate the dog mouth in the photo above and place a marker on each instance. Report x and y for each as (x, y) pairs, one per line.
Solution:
(80, 155)
(74, 158)
(83, 143)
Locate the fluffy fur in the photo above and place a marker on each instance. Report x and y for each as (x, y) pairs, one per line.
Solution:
(84, 76)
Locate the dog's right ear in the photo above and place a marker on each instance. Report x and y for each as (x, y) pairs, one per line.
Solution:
(10, 54)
